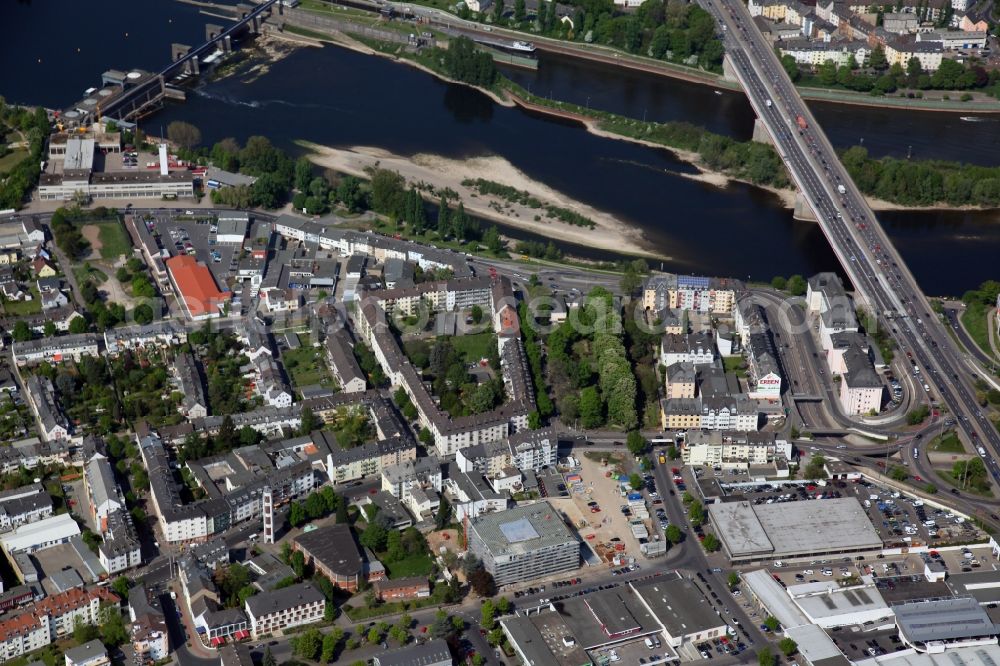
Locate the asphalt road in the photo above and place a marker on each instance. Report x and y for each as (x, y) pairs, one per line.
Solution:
(878, 272)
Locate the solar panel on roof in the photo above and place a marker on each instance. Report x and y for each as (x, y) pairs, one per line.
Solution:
(852, 598)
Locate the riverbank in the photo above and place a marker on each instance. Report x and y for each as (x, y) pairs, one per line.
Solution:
(609, 233)
(613, 56)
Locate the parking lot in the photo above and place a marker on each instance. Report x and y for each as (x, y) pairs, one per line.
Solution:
(908, 520)
(195, 236)
(858, 646)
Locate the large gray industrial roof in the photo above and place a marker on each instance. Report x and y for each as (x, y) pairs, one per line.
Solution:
(790, 528)
(943, 620)
(678, 604)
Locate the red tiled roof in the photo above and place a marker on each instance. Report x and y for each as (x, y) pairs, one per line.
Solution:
(196, 284)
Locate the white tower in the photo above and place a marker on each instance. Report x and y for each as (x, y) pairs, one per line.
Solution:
(267, 512)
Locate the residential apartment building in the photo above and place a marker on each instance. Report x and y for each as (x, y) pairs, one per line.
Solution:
(728, 448)
(343, 364)
(450, 433)
(815, 53)
(693, 348)
(149, 625)
(716, 412)
(27, 504)
(193, 403)
(370, 459)
(52, 422)
(860, 388)
(102, 491)
(157, 335)
(680, 380)
(55, 349)
(272, 612)
(529, 449)
(121, 549)
(686, 292)
(415, 483)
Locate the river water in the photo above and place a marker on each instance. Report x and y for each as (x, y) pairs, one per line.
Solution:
(337, 97)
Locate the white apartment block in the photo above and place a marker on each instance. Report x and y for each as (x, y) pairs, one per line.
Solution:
(272, 612)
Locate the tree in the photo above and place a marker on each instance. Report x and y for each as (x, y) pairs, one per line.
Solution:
(443, 515)
(519, 12)
(711, 543)
(791, 67)
(303, 174)
(898, 473)
(772, 623)
(374, 536)
(310, 421)
(674, 534)
(296, 514)
(482, 582)
(269, 659)
(913, 67)
(779, 282)
(142, 314)
(120, 586)
(788, 647)
(488, 614)
(591, 408)
(498, 9)
(635, 480)
(299, 564)
(307, 644)
(765, 657)
(733, 579)
(636, 443)
(49, 329)
(877, 59)
(113, 631)
(796, 285)
(21, 332)
(329, 647)
(183, 134)
(492, 240)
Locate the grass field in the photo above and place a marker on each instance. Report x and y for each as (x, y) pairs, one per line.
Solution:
(415, 565)
(957, 482)
(21, 308)
(86, 273)
(114, 241)
(474, 347)
(948, 443)
(11, 159)
(974, 320)
(735, 365)
(306, 366)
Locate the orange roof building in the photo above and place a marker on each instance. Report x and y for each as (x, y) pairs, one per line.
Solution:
(196, 287)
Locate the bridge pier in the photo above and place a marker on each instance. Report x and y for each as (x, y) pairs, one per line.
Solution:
(728, 71)
(245, 11)
(760, 134)
(178, 51)
(802, 211)
(212, 31)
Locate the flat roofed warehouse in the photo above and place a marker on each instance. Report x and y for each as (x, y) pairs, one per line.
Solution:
(795, 529)
(196, 287)
(942, 621)
(682, 609)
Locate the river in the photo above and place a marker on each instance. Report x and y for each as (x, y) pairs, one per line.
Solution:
(337, 97)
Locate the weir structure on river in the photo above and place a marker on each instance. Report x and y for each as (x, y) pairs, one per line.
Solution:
(128, 96)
